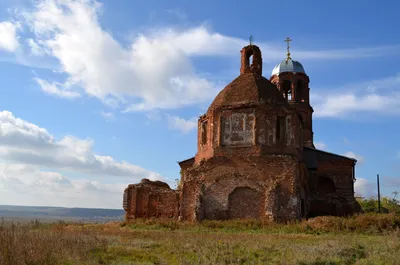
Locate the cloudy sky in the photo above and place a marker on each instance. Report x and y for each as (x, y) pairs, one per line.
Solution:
(99, 94)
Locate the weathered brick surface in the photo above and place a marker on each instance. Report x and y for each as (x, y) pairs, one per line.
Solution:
(332, 189)
(297, 83)
(150, 199)
(255, 158)
(270, 180)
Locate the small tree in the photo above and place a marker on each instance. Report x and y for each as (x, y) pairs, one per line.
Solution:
(369, 205)
(391, 205)
(178, 184)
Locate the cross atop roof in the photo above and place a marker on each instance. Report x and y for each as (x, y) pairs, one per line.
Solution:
(288, 40)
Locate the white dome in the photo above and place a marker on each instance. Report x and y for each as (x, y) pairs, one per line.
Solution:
(288, 65)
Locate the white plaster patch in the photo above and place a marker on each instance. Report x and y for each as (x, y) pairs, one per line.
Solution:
(293, 201)
(238, 129)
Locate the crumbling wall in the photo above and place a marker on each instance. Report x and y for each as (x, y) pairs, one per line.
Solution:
(260, 187)
(189, 199)
(249, 129)
(220, 197)
(150, 199)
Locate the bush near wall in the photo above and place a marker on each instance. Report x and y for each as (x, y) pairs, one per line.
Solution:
(388, 205)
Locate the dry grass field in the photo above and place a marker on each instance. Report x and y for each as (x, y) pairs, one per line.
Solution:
(363, 239)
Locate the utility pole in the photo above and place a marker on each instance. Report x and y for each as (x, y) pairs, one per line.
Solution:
(379, 194)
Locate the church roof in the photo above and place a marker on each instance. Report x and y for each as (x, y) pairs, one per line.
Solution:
(312, 156)
(288, 65)
(186, 163)
(248, 88)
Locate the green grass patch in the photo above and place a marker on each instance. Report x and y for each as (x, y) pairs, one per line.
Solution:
(363, 239)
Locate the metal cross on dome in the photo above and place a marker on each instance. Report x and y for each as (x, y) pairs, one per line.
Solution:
(288, 40)
(251, 39)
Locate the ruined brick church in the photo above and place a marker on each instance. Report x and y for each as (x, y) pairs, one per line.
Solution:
(255, 156)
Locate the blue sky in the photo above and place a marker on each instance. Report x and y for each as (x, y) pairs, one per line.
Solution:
(97, 95)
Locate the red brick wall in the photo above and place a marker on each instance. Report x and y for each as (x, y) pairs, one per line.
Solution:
(342, 201)
(209, 186)
(300, 102)
(261, 135)
(256, 65)
(151, 199)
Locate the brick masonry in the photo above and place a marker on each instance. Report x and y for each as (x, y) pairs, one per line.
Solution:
(255, 158)
(150, 199)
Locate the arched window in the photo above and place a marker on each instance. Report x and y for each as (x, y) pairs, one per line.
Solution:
(300, 91)
(204, 132)
(251, 59)
(280, 128)
(287, 89)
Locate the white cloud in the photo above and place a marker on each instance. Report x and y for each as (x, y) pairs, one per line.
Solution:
(180, 124)
(107, 115)
(153, 115)
(8, 36)
(359, 158)
(54, 89)
(391, 182)
(346, 54)
(320, 145)
(154, 72)
(28, 185)
(364, 187)
(36, 49)
(26, 143)
(354, 99)
(368, 188)
(25, 149)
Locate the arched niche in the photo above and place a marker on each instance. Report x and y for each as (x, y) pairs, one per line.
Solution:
(245, 202)
(325, 186)
(204, 132)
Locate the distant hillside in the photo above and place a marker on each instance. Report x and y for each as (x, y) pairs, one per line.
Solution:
(32, 212)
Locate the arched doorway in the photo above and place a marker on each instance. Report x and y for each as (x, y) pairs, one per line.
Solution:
(324, 205)
(244, 202)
